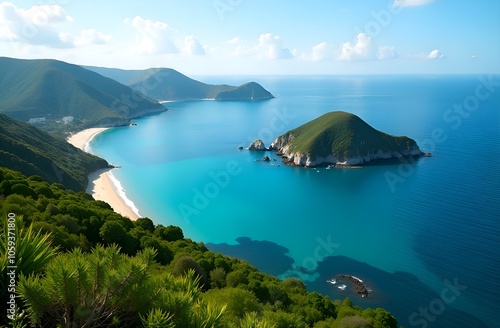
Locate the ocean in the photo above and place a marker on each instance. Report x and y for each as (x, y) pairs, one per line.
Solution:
(423, 235)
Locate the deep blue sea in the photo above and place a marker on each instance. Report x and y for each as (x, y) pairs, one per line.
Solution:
(424, 236)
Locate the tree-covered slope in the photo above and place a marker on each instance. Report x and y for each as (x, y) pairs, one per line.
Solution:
(55, 89)
(114, 272)
(341, 137)
(31, 151)
(248, 91)
(168, 84)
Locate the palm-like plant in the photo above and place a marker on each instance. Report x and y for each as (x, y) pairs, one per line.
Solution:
(33, 251)
(90, 290)
(252, 320)
(106, 288)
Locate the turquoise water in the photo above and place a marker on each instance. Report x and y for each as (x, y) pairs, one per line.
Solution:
(403, 228)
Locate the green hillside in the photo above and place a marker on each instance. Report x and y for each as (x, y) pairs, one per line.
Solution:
(168, 84)
(248, 91)
(31, 151)
(55, 89)
(109, 271)
(344, 136)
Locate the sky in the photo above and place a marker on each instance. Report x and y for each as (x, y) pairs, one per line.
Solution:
(251, 37)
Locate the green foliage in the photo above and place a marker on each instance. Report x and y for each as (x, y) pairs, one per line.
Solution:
(238, 302)
(235, 278)
(106, 288)
(33, 152)
(170, 233)
(282, 319)
(249, 91)
(218, 278)
(157, 318)
(112, 232)
(252, 320)
(354, 322)
(185, 263)
(32, 251)
(380, 318)
(145, 223)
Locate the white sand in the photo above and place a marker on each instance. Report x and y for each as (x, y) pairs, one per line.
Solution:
(82, 138)
(101, 185)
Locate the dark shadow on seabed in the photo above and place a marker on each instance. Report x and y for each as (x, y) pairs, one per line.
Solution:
(401, 293)
(267, 256)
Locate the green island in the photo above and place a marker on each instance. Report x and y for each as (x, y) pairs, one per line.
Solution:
(342, 139)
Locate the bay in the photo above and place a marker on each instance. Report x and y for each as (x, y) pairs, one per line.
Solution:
(409, 230)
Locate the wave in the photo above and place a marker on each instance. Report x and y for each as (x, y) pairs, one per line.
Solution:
(121, 192)
(87, 148)
(357, 279)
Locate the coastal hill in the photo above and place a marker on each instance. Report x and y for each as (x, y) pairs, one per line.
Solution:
(45, 90)
(166, 84)
(343, 139)
(26, 149)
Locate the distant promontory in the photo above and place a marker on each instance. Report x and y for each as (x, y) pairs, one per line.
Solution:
(167, 84)
(340, 138)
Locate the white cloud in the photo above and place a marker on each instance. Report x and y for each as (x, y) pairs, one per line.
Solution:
(435, 54)
(192, 46)
(36, 25)
(86, 38)
(386, 52)
(235, 40)
(242, 50)
(410, 3)
(322, 51)
(365, 49)
(152, 37)
(361, 50)
(271, 47)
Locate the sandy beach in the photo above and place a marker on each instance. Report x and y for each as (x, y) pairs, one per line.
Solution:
(102, 184)
(82, 138)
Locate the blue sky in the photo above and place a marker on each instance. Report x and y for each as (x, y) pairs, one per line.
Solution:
(211, 37)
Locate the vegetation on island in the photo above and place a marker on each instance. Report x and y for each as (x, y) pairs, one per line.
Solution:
(34, 152)
(341, 134)
(54, 92)
(81, 264)
(168, 84)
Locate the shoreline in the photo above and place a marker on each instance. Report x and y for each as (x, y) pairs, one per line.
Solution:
(103, 185)
(83, 138)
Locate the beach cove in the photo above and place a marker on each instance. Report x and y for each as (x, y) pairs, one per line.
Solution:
(103, 185)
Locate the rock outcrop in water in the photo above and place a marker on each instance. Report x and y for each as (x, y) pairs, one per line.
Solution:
(359, 287)
(257, 145)
(340, 138)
